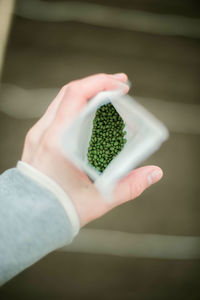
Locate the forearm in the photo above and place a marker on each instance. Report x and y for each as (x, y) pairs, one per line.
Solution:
(32, 223)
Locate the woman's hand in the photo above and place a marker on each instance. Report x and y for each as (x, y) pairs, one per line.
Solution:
(42, 149)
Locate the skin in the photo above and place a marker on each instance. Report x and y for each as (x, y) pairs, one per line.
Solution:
(42, 149)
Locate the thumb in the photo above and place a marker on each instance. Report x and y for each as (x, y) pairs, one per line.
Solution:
(136, 182)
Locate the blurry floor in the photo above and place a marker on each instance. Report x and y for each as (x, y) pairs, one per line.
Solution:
(80, 276)
(167, 68)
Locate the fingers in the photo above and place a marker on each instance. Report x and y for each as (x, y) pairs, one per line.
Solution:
(136, 182)
(73, 96)
(77, 93)
(86, 85)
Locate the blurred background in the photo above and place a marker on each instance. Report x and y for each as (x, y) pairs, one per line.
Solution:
(148, 248)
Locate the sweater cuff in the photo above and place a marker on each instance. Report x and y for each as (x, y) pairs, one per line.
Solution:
(46, 182)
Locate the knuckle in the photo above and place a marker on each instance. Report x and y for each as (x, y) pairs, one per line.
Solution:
(50, 143)
(63, 90)
(135, 190)
(64, 87)
(73, 87)
(31, 138)
(103, 76)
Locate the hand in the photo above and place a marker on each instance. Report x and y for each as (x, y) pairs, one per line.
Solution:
(42, 150)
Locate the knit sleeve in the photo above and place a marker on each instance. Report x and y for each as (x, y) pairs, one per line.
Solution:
(32, 223)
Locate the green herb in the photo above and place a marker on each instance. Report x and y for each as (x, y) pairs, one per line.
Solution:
(108, 137)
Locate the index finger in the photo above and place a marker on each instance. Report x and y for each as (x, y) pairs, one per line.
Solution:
(78, 92)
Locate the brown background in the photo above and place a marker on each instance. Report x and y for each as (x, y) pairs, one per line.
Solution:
(49, 54)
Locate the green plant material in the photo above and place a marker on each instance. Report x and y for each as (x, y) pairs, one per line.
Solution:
(108, 137)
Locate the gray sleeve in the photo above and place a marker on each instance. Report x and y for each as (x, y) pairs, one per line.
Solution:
(32, 223)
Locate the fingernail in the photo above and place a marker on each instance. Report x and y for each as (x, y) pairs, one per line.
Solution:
(120, 76)
(155, 176)
(124, 87)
